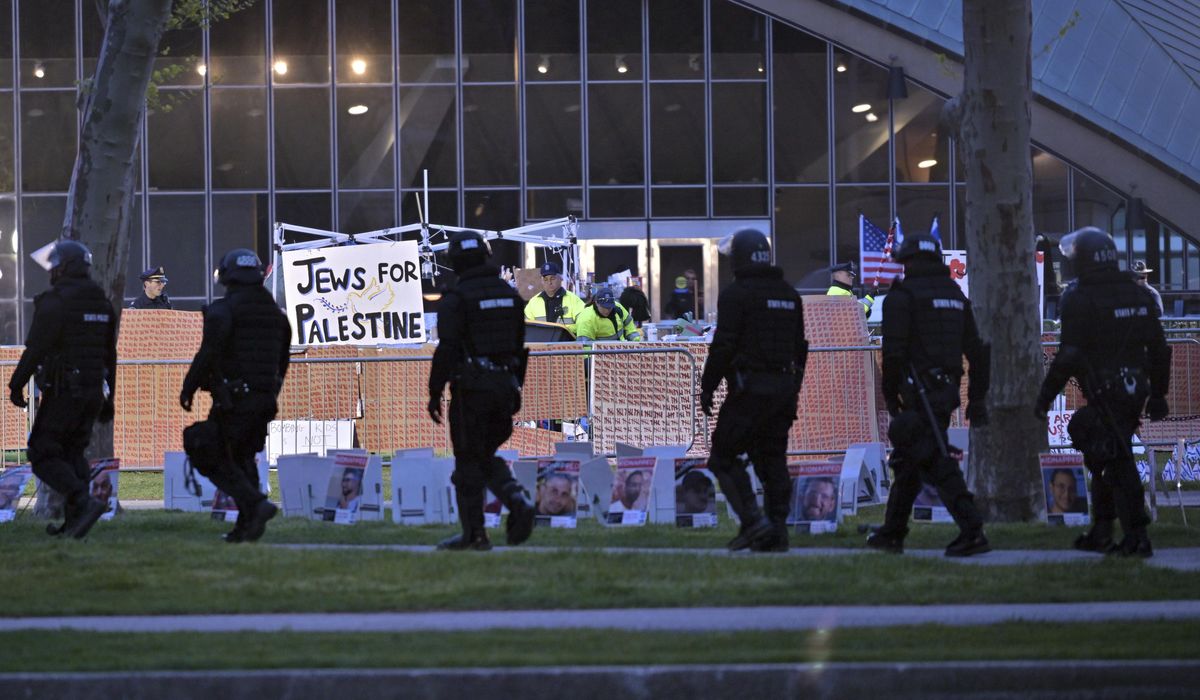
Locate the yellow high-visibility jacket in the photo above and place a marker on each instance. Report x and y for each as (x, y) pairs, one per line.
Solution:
(618, 325)
(867, 301)
(572, 306)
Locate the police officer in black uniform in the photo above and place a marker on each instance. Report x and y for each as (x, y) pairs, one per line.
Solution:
(481, 353)
(153, 296)
(242, 361)
(759, 350)
(1114, 346)
(927, 328)
(72, 348)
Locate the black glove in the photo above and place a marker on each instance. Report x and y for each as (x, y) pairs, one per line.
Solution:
(107, 411)
(435, 409)
(706, 403)
(17, 396)
(1157, 407)
(185, 400)
(977, 414)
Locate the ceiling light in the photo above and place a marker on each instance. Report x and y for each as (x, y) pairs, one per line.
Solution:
(841, 68)
(202, 69)
(621, 66)
(543, 65)
(760, 67)
(860, 108)
(357, 109)
(359, 66)
(927, 163)
(39, 71)
(871, 117)
(281, 67)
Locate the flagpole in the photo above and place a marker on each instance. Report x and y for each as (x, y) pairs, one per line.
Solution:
(887, 253)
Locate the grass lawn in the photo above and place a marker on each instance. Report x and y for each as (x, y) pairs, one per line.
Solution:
(72, 651)
(156, 562)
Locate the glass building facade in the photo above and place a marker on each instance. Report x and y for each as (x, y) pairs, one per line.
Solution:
(638, 114)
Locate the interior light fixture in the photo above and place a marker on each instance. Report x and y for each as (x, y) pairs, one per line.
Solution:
(621, 65)
(928, 163)
(860, 108)
(359, 66)
(202, 70)
(760, 67)
(543, 65)
(871, 117)
(16, 242)
(357, 109)
(281, 67)
(39, 71)
(841, 67)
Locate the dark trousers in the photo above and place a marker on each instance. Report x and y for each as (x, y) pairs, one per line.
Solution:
(61, 432)
(480, 421)
(1117, 491)
(756, 425)
(243, 433)
(916, 458)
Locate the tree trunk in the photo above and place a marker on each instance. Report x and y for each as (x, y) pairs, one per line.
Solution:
(101, 196)
(994, 135)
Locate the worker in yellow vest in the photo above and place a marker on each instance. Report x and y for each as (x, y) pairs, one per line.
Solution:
(554, 304)
(842, 284)
(605, 319)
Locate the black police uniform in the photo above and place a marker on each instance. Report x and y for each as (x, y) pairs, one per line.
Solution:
(1114, 346)
(144, 302)
(927, 328)
(72, 347)
(481, 353)
(242, 362)
(760, 351)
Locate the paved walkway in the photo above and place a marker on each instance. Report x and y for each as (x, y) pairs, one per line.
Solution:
(629, 619)
(1180, 558)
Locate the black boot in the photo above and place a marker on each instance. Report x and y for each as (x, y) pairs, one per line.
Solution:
(1097, 539)
(751, 531)
(468, 539)
(519, 525)
(968, 542)
(82, 512)
(238, 533)
(470, 513)
(892, 544)
(774, 541)
(256, 520)
(1135, 544)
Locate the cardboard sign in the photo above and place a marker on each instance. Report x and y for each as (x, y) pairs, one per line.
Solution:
(631, 488)
(224, 508)
(1064, 484)
(344, 496)
(695, 494)
(355, 295)
(104, 484)
(1056, 428)
(301, 437)
(557, 492)
(12, 485)
(815, 488)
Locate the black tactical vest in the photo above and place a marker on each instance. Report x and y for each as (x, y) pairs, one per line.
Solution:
(938, 322)
(493, 311)
(88, 323)
(1117, 315)
(771, 310)
(257, 340)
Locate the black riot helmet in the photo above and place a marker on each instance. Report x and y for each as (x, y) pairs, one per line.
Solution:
(69, 258)
(746, 247)
(918, 245)
(467, 250)
(1089, 250)
(240, 266)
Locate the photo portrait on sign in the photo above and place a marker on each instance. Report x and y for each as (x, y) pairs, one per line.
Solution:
(557, 488)
(345, 490)
(814, 498)
(695, 494)
(1066, 490)
(106, 474)
(631, 486)
(12, 485)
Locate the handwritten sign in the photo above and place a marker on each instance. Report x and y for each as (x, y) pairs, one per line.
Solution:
(355, 295)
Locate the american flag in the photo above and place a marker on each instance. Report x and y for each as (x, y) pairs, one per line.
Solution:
(875, 253)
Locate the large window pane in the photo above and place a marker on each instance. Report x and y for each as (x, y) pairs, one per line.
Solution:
(42, 219)
(238, 48)
(677, 40)
(739, 128)
(489, 30)
(180, 58)
(302, 138)
(738, 41)
(48, 128)
(739, 201)
(802, 235)
(490, 135)
(615, 148)
(305, 209)
(617, 203)
(922, 150)
(1049, 194)
(1096, 205)
(860, 117)
(552, 128)
(681, 202)
(677, 134)
(10, 250)
(553, 204)
(364, 41)
(426, 41)
(442, 209)
(492, 210)
(239, 139)
(177, 242)
(359, 212)
(366, 137)
(801, 125)
(301, 37)
(176, 130)
(6, 44)
(427, 136)
(871, 202)
(240, 221)
(614, 36)
(551, 40)
(8, 179)
(918, 204)
(47, 44)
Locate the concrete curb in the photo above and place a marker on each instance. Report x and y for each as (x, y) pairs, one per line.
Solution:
(1033, 679)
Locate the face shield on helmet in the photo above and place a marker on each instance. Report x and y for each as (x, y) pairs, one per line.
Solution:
(918, 244)
(1089, 250)
(63, 257)
(746, 247)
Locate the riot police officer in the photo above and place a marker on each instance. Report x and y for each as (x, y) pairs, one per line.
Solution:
(1114, 346)
(927, 328)
(759, 350)
(72, 348)
(481, 353)
(242, 362)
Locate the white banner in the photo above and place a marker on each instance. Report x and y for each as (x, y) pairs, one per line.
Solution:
(956, 260)
(355, 295)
